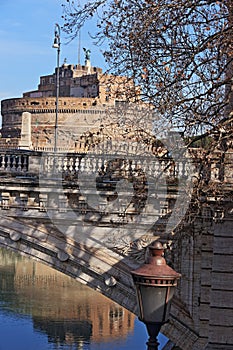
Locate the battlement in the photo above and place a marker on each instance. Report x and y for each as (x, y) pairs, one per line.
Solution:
(72, 81)
(45, 105)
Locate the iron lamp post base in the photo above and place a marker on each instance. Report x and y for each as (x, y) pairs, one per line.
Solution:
(153, 331)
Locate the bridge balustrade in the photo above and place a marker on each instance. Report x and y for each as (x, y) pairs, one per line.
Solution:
(14, 162)
(107, 170)
(96, 163)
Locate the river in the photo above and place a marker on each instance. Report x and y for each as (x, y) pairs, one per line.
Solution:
(43, 309)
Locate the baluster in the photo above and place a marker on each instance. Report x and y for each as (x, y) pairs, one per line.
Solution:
(76, 164)
(90, 164)
(16, 163)
(99, 164)
(13, 167)
(50, 164)
(79, 159)
(60, 164)
(7, 163)
(71, 164)
(86, 163)
(2, 163)
(44, 164)
(24, 163)
(67, 165)
(95, 165)
(64, 164)
(56, 163)
(82, 164)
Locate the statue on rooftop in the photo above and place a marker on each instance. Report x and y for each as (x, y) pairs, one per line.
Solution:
(87, 53)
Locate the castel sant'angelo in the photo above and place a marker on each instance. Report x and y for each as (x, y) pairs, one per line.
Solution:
(85, 93)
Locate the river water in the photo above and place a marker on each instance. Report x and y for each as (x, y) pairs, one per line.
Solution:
(43, 309)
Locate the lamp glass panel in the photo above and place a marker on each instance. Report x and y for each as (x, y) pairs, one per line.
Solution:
(153, 306)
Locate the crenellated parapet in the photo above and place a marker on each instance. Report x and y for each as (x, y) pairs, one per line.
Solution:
(45, 104)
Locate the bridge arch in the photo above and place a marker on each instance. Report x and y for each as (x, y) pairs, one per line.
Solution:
(99, 268)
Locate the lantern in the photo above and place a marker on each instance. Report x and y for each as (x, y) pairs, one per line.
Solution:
(155, 284)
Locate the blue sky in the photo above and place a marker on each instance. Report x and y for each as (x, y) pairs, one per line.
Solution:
(26, 38)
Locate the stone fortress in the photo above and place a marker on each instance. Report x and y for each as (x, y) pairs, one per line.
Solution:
(85, 92)
(201, 316)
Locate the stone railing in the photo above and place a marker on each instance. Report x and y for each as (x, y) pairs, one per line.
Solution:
(31, 162)
(95, 163)
(46, 172)
(14, 162)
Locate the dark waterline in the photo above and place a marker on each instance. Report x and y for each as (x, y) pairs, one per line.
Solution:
(42, 309)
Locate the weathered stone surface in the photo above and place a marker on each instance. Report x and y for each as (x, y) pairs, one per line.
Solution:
(201, 314)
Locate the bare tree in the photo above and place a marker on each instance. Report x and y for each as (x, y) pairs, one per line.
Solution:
(179, 52)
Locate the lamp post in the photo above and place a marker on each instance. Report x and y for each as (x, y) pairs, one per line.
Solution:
(56, 45)
(155, 283)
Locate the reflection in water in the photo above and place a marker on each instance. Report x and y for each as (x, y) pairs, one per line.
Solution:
(69, 313)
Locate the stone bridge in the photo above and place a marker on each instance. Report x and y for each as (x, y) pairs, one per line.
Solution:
(92, 217)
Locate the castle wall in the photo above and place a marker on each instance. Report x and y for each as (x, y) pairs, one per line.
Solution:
(43, 111)
(84, 92)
